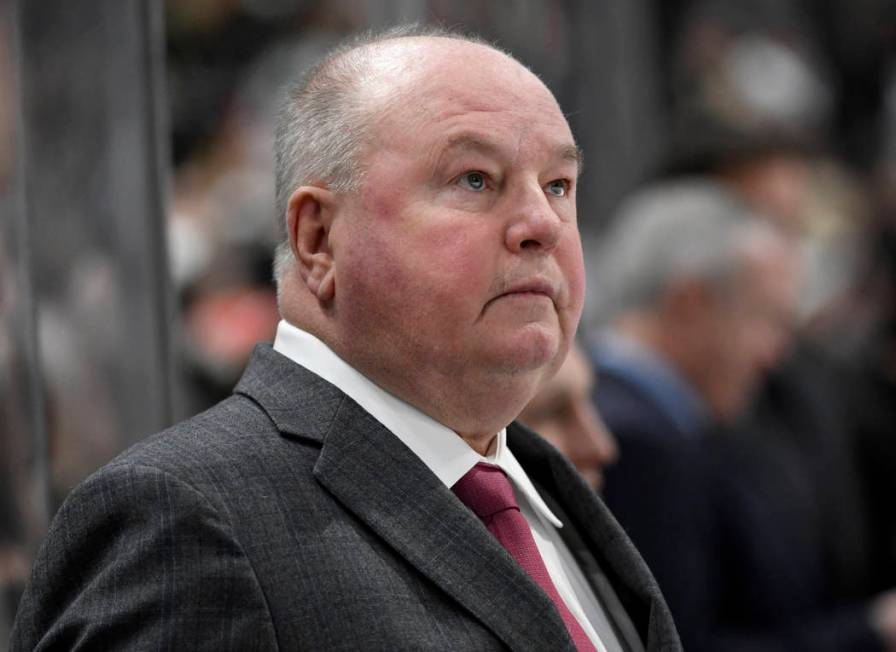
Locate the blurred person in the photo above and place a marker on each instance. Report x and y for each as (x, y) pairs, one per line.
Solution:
(721, 506)
(816, 456)
(563, 413)
(366, 486)
(797, 447)
(697, 297)
(798, 440)
(688, 274)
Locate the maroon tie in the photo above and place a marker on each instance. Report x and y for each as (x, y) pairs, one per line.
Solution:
(486, 490)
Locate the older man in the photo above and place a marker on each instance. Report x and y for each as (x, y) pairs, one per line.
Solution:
(698, 297)
(364, 487)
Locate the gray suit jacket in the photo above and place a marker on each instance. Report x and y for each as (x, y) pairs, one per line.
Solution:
(287, 518)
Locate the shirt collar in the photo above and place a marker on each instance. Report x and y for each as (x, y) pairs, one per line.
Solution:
(676, 396)
(440, 448)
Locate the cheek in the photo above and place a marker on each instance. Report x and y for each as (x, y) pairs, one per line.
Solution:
(451, 260)
(577, 288)
(365, 268)
(463, 266)
(739, 359)
(420, 273)
(426, 239)
(720, 346)
(572, 266)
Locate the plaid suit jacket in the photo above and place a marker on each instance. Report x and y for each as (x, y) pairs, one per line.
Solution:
(287, 518)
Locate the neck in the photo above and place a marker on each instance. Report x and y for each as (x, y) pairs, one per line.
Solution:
(480, 443)
(669, 340)
(474, 405)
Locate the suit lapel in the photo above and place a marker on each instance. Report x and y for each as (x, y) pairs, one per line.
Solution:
(622, 625)
(385, 485)
(619, 563)
(382, 483)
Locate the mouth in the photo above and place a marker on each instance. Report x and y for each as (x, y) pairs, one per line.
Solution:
(532, 288)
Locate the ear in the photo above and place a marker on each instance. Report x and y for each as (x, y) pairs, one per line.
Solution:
(309, 216)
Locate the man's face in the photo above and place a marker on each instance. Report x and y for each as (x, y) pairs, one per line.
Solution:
(563, 413)
(458, 262)
(748, 330)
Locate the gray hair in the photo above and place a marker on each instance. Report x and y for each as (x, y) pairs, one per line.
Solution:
(687, 228)
(323, 119)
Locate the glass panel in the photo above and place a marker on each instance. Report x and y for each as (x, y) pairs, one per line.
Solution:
(22, 430)
(95, 214)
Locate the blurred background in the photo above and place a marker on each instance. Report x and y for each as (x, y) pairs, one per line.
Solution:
(136, 191)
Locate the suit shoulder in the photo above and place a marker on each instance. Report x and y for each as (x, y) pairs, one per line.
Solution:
(228, 455)
(222, 434)
(120, 563)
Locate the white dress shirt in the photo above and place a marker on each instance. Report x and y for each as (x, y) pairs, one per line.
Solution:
(449, 457)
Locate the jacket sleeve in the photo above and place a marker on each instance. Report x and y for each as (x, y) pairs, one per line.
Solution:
(139, 560)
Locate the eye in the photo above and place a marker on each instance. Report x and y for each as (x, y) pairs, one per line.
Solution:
(558, 187)
(475, 181)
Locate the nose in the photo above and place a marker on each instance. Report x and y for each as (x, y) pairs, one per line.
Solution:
(773, 343)
(593, 445)
(534, 227)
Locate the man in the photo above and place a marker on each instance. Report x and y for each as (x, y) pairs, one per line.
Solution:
(430, 282)
(563, 413)
(700, 295)
(698, 292)
(697, 296)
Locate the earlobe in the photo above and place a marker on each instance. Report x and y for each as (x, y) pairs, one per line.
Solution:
(309, 217)
(321, 278)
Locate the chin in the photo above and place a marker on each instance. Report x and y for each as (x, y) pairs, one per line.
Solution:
(593, 478)
(535, 351)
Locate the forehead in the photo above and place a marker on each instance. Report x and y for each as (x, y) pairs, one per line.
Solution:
(444, 84)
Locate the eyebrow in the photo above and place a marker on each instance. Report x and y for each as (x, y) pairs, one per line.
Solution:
(573, 153)
(468, 141)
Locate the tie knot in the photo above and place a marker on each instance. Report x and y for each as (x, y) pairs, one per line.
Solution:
(486, 490)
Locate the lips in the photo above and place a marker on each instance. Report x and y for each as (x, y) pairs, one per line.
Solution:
(536, 286)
